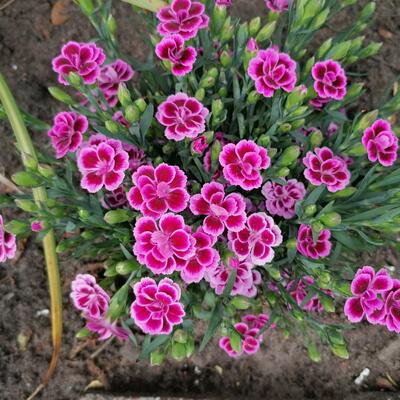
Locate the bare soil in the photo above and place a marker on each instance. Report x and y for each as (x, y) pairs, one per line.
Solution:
(282, 370)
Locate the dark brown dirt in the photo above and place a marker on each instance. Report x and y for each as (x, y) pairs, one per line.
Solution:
(281, 370)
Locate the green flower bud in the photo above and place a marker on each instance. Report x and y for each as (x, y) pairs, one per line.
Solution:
(295, 98)
(328, 303)
(112, 126)
(264, 141)
(340, 351)
(317, 226)
(178, 351)
(118, 302)
(339, 51)
(158, 160)
(272, 152)
(310, 210)
(289, 155)
(298, 123)
(227, 31)
(140, 104)
(46, 171)
(368, 11)
(83, 333)
(225, 59)
(215, 152)
(124, 95)
(112, 24)
(27, 179)
(88, 235)
(223, 91)
(154, 40)
(371, 50)
(207, 82)
(324, 279)
(271, 297)
(253, 97)
(356, 44)
(156, 358)
(168, 148)
(291, 244)
(286, 127)
(180, 336)
(74, 79)
(307, 68)
(357, 150)
(324, 48)
(189, 347)
(320, 19)
(213, 72)
(26, 205)
(86, 6)
(266, 32)
(132, 113)
(83, 214)
(218, 18)
(117, 216)
(60, 95)
(274, 273)
(217, 107)
(17, 227)
(316, 139)
(313, 352)
(200, 94)
(126, 267)
(240, 303)
(331, 219)
(283, 172)
(254, 26)
(346, 3)
(209, 135)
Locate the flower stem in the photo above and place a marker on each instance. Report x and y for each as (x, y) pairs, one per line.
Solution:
(29, 158)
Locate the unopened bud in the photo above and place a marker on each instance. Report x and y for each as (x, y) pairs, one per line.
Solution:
(178, 351)
(112, 24)
(207, 82)
(180, 336)
(331, 219)
(289, 155)
(266, 32)
(225, 59)
(357, 150)
(140, 104)
(112, 126)
(254, 26)
(339, 51)
(253, 97)
(324, 48)
(117, 216)
(368, 11)
(371, 50)
(283, 172)
(223, 92)
(217, 106)
(264, 141)
(74, 79)
(86, 6)
(157, 358)
(316, 139)
(240, 303)
(200, 94)
(124, 95)
(17, 227)
(127, 267)
(27, 179)
(132, 113)
(317, 226)
(310, 210)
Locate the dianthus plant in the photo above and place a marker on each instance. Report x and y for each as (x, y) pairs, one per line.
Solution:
(227, 186)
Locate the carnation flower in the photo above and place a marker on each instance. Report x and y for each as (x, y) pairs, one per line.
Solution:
(102, 162)
(226, 3)
(105, 329)
(111, 76)
(164, 247)
(184, 17)
(242, 163)
(329, 80)
(308, 247)
(392, 307)
(66, 132)
(257, 321)
(381, 143)
(37, 226)
(156, 308)
(199, 144)
(250, 343)
(183, 116)
(246, 279)
(172, 49)
(205, 257)
(89, 297)
(277, 5)
(256, 240)
(319, 103)
(158, 190)
(366, 288)
(115, 199)
(252, 45)
(271, 71)
(119, 117)
(84, 59)
(281, 199)
(221, 211)
(136, 156)
(8, 243)
(323, 167)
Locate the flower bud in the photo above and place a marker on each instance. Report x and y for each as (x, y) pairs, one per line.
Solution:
(340, 350)
(357, 150)
(317, 226)
(117, 216)
(272, 152)
(112, 126)
(26, 205)
(316, 139)
(74, 79)
(200, 94)
(168, 148)
(254, 26)
(331, 219)
(207, 82)
(324, 48)
(88, 235)
(289, 155)
(225, 59)
(217, 107)
(83, 214)
(313, 352)
(310, 210)
(189, 347)
(86, 6)
(218, 17)
(46, 171)
(27, 179)
(320, 19)
(266, 32)
(283, 172)
(60, 95)
(264, 141)
(156, 358)
(286, 127)
(295, 97)
(132, 113)
(346, 3)
(178, 351)
(299, 123)
(356, 44)
(339, 51)
(371, 50)
(274, 273)
(111, 24)
(180, 336)
(227, 31)
(307, 68)
(223, 92)
(140, 104)
(368, 11)
(298, 315)
(253, 97)
(124, 95)
(126, 267)
(240, 303)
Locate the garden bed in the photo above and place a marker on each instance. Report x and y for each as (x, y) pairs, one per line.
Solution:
(281, 370)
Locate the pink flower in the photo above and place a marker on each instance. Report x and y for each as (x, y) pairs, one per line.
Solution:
(245, 283)
(158, 190)
(309, 248)
(66, 132)
(252, 45)
(366, 288)
(332, 129)
(136, 156)
(281, 199)
(225, 3)
(115, 199)
(111, 76)
(381, 143)
(392, 307)
(119, 117)
(37, 226)
(271, 71)
(250, 343)
(156, 308)
(84, 59)
(323, 167)
(257, 321)
(183, 116)
(105, 329)
(166, 247)
(184, 17)
(204, 258)
(329, 80)
(256, 240)
(102, 164)
(199, 144)
(8, 243)
(319, 103)
(89, 297)
(221, 211)
(242, 163)
(298, 290)
(277, 5)
(172, 49)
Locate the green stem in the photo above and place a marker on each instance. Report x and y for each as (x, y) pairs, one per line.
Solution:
(30, 159)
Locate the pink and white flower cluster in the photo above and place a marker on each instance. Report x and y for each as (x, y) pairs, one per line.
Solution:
(93, 301)
(376, 296)
(8, 244)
